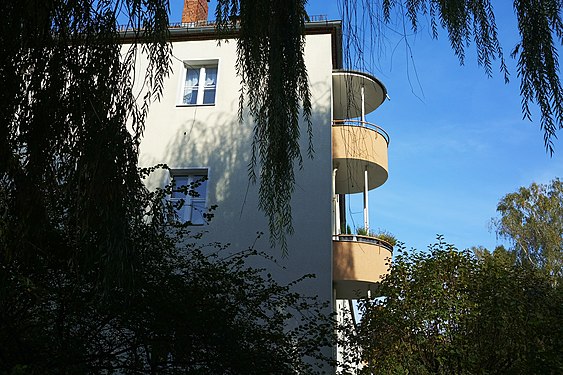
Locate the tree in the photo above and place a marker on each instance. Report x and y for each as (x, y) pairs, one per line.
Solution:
(63, 68)
(270, 47)
(270, 62)
(191, 309)
(468, 23)
(68, 162)
(189, 314)
(94, 278)
(531, 219)
(448, 312)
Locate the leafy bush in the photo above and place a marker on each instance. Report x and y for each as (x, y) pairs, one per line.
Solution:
(183, 307)
(381, 234)
(361, 231)
(446, 311)
(387, 237)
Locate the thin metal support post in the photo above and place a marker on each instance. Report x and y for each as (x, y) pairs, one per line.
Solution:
(363, 104)
(335, 206)
(366, 205)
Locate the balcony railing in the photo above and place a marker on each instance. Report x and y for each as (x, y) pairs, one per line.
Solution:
(358, 265)
(363, 124)
(364, 239)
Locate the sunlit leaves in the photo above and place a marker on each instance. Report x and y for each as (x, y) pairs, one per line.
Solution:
(532, 220)
(446, 311)
(472, 22)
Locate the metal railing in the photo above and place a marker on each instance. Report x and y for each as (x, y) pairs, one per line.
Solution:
(363, 124)
(364, 239)
(187, 25)
(173, 25)
(318, 18)
(183, 25)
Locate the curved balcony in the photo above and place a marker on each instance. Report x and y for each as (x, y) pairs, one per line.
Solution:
(357, 146)
(358, 264)
(349, 87)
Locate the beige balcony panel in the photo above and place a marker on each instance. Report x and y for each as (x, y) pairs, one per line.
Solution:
(358, 266)
(353, 149)
(347, 93)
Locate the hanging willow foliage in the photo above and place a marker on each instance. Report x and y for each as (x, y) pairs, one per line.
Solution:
(66, 98)
(70, 127)
(465, 21)
(274, 77)
(541, 31)
(473, 22)
(275, 92)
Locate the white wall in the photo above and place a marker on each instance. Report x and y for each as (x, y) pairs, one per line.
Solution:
(211, 136)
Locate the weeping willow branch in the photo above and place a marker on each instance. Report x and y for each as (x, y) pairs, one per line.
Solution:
(540, 27)
(469, 22)
(275, 92)
(68, 162)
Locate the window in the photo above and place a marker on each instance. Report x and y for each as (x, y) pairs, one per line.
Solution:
(199, 83)
(189, 193)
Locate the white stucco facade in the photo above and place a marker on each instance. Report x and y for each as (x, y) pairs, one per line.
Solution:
(211, 136)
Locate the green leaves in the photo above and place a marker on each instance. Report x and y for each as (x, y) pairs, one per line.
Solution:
(71, 126)
(541, 30)
(472, 22)
(532, 220)
(191, 311)
(445, 311)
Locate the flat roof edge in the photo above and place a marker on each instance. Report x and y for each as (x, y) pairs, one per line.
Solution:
(363, 74)
(207, 30)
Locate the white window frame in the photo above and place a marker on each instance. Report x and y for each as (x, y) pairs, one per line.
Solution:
(193, 208)
(201, 66)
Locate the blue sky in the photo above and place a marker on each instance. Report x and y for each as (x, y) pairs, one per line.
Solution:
(458, 140)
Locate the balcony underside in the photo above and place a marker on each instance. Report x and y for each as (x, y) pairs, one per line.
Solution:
(355, 149)
(347, 93)
(359, 265)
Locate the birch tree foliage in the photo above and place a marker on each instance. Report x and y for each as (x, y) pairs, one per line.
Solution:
(531, 219)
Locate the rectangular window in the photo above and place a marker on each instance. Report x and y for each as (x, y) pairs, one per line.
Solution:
(200, 83)
(189, 194)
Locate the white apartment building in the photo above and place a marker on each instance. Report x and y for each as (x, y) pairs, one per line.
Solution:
(194, 129)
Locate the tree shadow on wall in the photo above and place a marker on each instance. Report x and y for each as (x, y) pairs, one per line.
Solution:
(216, 140)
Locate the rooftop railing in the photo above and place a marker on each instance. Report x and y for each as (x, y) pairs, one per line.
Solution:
(187, 25)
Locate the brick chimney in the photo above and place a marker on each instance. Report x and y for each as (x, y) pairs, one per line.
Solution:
(194, 11)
